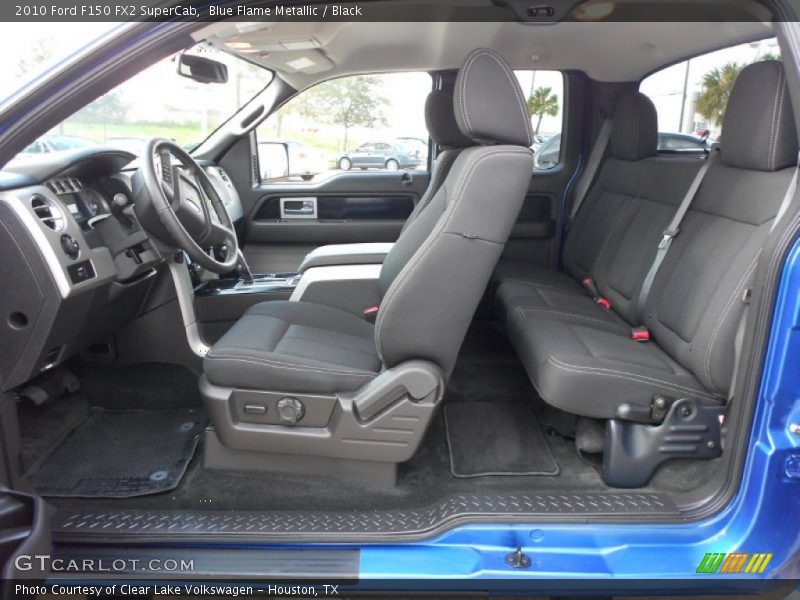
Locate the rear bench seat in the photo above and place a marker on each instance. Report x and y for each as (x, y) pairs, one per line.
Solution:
(610, 240)
(581, 357)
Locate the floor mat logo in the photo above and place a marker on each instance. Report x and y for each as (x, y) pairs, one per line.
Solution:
(733, 563)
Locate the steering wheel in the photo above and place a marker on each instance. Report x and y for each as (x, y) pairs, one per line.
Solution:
(187, 206)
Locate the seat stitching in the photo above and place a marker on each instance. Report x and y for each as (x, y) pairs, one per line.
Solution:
(775, 130)
(627, 375)
(772, 133)
(515, 89)
(289, 366)
(517, 94)
(535, 284)
(433, 238)
(329, 344)
(522, 310)
(737, 293)
(462, 96)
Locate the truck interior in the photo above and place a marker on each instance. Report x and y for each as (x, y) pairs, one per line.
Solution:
(222, 342)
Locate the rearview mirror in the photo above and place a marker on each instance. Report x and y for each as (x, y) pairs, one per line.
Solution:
(201, 69)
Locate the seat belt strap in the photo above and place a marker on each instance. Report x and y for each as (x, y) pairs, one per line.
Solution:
(673, 228)
(787, 198)
(592, 166)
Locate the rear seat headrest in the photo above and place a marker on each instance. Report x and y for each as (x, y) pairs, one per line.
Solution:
(441, 121)
(758, 127)
(489, 104)
(634, 133)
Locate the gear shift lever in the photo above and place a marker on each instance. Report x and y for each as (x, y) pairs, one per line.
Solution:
(244, 270)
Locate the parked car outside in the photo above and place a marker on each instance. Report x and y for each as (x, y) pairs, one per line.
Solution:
(682, 143)
(546, 156)
(417, 144)
(57, 143)
(390, 155)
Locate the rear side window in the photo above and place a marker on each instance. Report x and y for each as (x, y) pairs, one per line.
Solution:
(359, 123)
(544, 93)
(691, 97)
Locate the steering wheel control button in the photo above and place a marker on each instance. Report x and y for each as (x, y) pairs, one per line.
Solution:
(255, 409)
(70, 246)
(290, 410)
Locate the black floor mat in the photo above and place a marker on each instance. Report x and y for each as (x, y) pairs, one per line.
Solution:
(496, 438)
(120, 453)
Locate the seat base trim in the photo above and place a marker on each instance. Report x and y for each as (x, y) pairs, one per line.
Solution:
(383, 421)
(368, 472)
(633, 451)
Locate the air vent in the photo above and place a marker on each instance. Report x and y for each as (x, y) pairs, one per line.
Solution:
(48, 213)
(65, 185)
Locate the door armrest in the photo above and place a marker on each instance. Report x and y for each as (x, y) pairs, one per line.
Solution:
(345, 254)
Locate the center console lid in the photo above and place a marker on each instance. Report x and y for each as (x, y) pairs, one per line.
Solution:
(345, 254)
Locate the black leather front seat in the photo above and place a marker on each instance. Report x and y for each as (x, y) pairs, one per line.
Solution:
(430, 283)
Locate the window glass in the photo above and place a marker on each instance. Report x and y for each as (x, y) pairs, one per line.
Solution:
(691, 97)
(358, 123)
(158, 102)
(544, 93)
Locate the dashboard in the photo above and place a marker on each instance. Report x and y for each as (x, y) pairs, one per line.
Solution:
(77, 263)
(86, 203)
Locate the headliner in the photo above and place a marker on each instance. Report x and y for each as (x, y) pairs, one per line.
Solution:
(606, 51)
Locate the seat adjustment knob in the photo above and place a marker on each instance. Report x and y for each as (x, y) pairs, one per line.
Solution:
(290, 410)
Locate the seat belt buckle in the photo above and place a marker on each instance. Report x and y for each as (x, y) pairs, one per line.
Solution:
(591, 288)
(666, 238)
(640, 334)
(370, 313)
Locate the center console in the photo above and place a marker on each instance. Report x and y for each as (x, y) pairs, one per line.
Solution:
(274, 283)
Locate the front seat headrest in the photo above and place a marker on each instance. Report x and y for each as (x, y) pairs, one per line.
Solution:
(489, 104)
(758, 127)
(634, 131)
(441, 121)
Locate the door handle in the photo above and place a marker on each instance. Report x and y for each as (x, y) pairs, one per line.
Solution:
(298, 208)
(406, 178)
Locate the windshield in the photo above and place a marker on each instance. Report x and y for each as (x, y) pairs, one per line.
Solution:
(158, 102)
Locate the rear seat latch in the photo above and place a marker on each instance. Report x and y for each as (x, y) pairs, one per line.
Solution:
(642, 413)
(640, 334)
